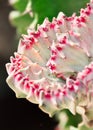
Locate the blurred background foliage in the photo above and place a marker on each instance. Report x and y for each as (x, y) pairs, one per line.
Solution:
(30, 12)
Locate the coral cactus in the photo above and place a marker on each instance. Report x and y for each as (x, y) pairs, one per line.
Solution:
(53, 66)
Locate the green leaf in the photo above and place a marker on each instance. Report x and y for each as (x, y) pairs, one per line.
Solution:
(43, 8)
(22, 17)
(73, 128)
(84, 128)
(21, 21)
(20, 5)
(51, 8)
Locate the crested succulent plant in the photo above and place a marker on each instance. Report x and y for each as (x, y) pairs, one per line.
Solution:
(53, 66)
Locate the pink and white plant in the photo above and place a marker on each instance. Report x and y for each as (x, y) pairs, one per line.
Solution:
(53, 66)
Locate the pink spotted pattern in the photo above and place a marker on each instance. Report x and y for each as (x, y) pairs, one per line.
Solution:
(53, 66)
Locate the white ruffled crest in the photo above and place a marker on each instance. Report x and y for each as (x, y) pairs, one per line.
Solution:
(53, 65)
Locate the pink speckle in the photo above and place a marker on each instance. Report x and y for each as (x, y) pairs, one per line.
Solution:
(36, 34)
(63, 40)
(52, 67)
(32, 40)
(32, 90)
(31, 82)
(27, 86)
(83, 19)
(59, 22)
(59, 48)
(12, 68)
(20, 77)
(88, 10)
(22, 42)
(27, 46)
(36, 86)
(53, 57)
(64, 92)
(16, 74)
(54, 52)
(88, 70)
(57, 94)
(48, 95)
(71, 88)
(45, 29)
(77, 83)
(52, 25)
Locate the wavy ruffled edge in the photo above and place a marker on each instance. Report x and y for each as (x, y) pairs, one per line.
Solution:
(49, 100)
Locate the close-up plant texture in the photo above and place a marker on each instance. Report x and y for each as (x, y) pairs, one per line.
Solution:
(53, 67)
